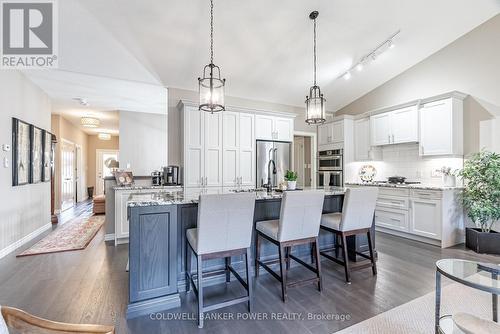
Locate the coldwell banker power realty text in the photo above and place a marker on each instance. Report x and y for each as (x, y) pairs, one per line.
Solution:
(29, 34)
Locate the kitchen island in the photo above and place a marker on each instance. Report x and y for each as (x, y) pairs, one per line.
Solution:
(158, 223)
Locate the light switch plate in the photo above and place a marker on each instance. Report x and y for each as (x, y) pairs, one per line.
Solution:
(6, 162)
(6, 147)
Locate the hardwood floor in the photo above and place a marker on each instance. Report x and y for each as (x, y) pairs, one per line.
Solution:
(90, 286)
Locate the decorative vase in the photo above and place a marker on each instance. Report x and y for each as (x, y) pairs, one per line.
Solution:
(291, 185)
(450, 180)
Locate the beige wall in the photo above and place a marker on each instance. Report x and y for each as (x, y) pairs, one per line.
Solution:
(471, 64)
(174, 130)
(94, 144)
(23, 209)
(65, 130)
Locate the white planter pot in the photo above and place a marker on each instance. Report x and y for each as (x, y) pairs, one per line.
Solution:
(450, 180)
(291, 185)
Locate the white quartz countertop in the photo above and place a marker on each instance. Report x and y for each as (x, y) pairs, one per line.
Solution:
(137, 187)
(404, 186)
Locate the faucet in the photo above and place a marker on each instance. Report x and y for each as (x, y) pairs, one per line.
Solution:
(269, 185)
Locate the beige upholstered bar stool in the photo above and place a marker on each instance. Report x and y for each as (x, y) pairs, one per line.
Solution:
(224, 230)
(298, 224)
(356, 218)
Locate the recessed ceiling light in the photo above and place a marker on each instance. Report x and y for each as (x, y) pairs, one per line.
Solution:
(359, 67)
(104, 136)
(82, 101)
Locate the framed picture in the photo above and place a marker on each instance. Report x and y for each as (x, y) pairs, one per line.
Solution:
(36, 154)
(124, 178)
(21, 162)
(47, 156)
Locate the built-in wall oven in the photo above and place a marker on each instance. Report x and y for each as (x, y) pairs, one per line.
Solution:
(330, 168)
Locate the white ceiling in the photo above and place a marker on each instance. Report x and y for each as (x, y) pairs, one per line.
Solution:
(264, 47)
(110, 119)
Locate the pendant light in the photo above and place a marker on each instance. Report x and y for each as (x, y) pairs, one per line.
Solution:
(211, 86)
(315, 102)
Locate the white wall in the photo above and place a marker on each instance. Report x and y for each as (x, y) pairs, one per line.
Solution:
(143, 142)
(23, 209)
(471, 64)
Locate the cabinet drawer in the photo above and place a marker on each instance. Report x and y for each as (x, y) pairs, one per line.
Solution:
(382, 191)
(422, 193)
(393, 202)
(392, 219)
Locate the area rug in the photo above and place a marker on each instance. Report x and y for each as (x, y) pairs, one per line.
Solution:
(417, 316)
(74, 235)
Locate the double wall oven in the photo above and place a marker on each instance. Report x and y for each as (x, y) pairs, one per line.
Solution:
(331, 168)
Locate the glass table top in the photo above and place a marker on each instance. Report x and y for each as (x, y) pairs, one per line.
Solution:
(480, 275)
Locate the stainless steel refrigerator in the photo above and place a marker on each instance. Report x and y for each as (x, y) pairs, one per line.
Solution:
(267, 153)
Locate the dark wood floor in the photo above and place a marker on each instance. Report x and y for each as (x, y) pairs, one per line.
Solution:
(90, 286)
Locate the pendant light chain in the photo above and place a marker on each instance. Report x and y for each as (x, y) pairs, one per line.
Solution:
(211, 31)
(314, 52)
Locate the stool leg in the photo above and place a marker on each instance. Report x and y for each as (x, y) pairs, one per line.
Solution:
(346, 259)
(313, 252)
(318, 264)
(372, 256)
(282, 272)
(337, 246)
(287, 256)
(249, 280)
(257, 253)
(188, 267)
(200, 291)
(228, 273)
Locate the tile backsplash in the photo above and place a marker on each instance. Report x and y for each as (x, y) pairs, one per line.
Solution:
(404, 160)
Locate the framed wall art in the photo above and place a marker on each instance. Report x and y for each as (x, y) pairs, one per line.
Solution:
(47, 156)
(21, 143)
(36, 154)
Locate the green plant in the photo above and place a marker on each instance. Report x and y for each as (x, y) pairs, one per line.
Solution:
(291, 175)
(481, 195)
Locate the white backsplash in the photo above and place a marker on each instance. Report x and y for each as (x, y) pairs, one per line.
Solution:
(404, 160)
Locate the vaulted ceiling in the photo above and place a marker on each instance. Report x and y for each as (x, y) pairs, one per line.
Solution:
(264, 48)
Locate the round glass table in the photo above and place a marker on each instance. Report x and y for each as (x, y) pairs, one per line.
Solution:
(477, 275)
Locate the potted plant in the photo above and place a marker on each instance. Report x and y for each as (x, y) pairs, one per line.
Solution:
(481, 200)
(449, 178)
(291, 180)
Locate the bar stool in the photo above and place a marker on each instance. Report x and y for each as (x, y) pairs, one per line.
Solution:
(298, 224)
(356, 218)
(224, 230)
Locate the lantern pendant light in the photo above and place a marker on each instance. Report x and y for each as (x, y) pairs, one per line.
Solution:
(315, 102)
(211, 86)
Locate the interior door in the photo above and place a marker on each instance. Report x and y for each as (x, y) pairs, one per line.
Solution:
(101, 170)
(67, 175)
(298, 160)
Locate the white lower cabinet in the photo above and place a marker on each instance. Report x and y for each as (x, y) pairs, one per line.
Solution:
(433, 216)
(425, 217)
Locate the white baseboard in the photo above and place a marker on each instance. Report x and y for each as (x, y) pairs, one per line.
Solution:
(109, 237)
(12, 247)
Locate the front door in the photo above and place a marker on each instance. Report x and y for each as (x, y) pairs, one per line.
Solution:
(67, 175)
(102, 170)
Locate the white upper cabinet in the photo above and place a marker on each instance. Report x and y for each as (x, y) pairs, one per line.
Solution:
(380, 129)
(194, 131)
(213, 149)
(239, 149)
(362, 145)
(394, 127)
(330, 133)
(274, 128)
(441, 127)
(404, 125)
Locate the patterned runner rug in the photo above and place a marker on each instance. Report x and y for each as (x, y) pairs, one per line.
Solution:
(73, 235)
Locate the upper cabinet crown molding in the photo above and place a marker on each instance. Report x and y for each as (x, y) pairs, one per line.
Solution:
(188, 103)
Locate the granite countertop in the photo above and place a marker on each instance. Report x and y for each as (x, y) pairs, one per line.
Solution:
(404, 186)
(137, 187)
(189, 196)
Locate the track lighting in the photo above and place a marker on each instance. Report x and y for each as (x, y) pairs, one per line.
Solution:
(347, 75)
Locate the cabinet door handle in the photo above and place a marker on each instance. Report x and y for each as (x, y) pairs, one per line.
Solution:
(395, 219)
(393, 139)
(389, 138)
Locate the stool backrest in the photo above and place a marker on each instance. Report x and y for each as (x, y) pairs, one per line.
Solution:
(358, 208)
(300, 214)
(225, 222)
